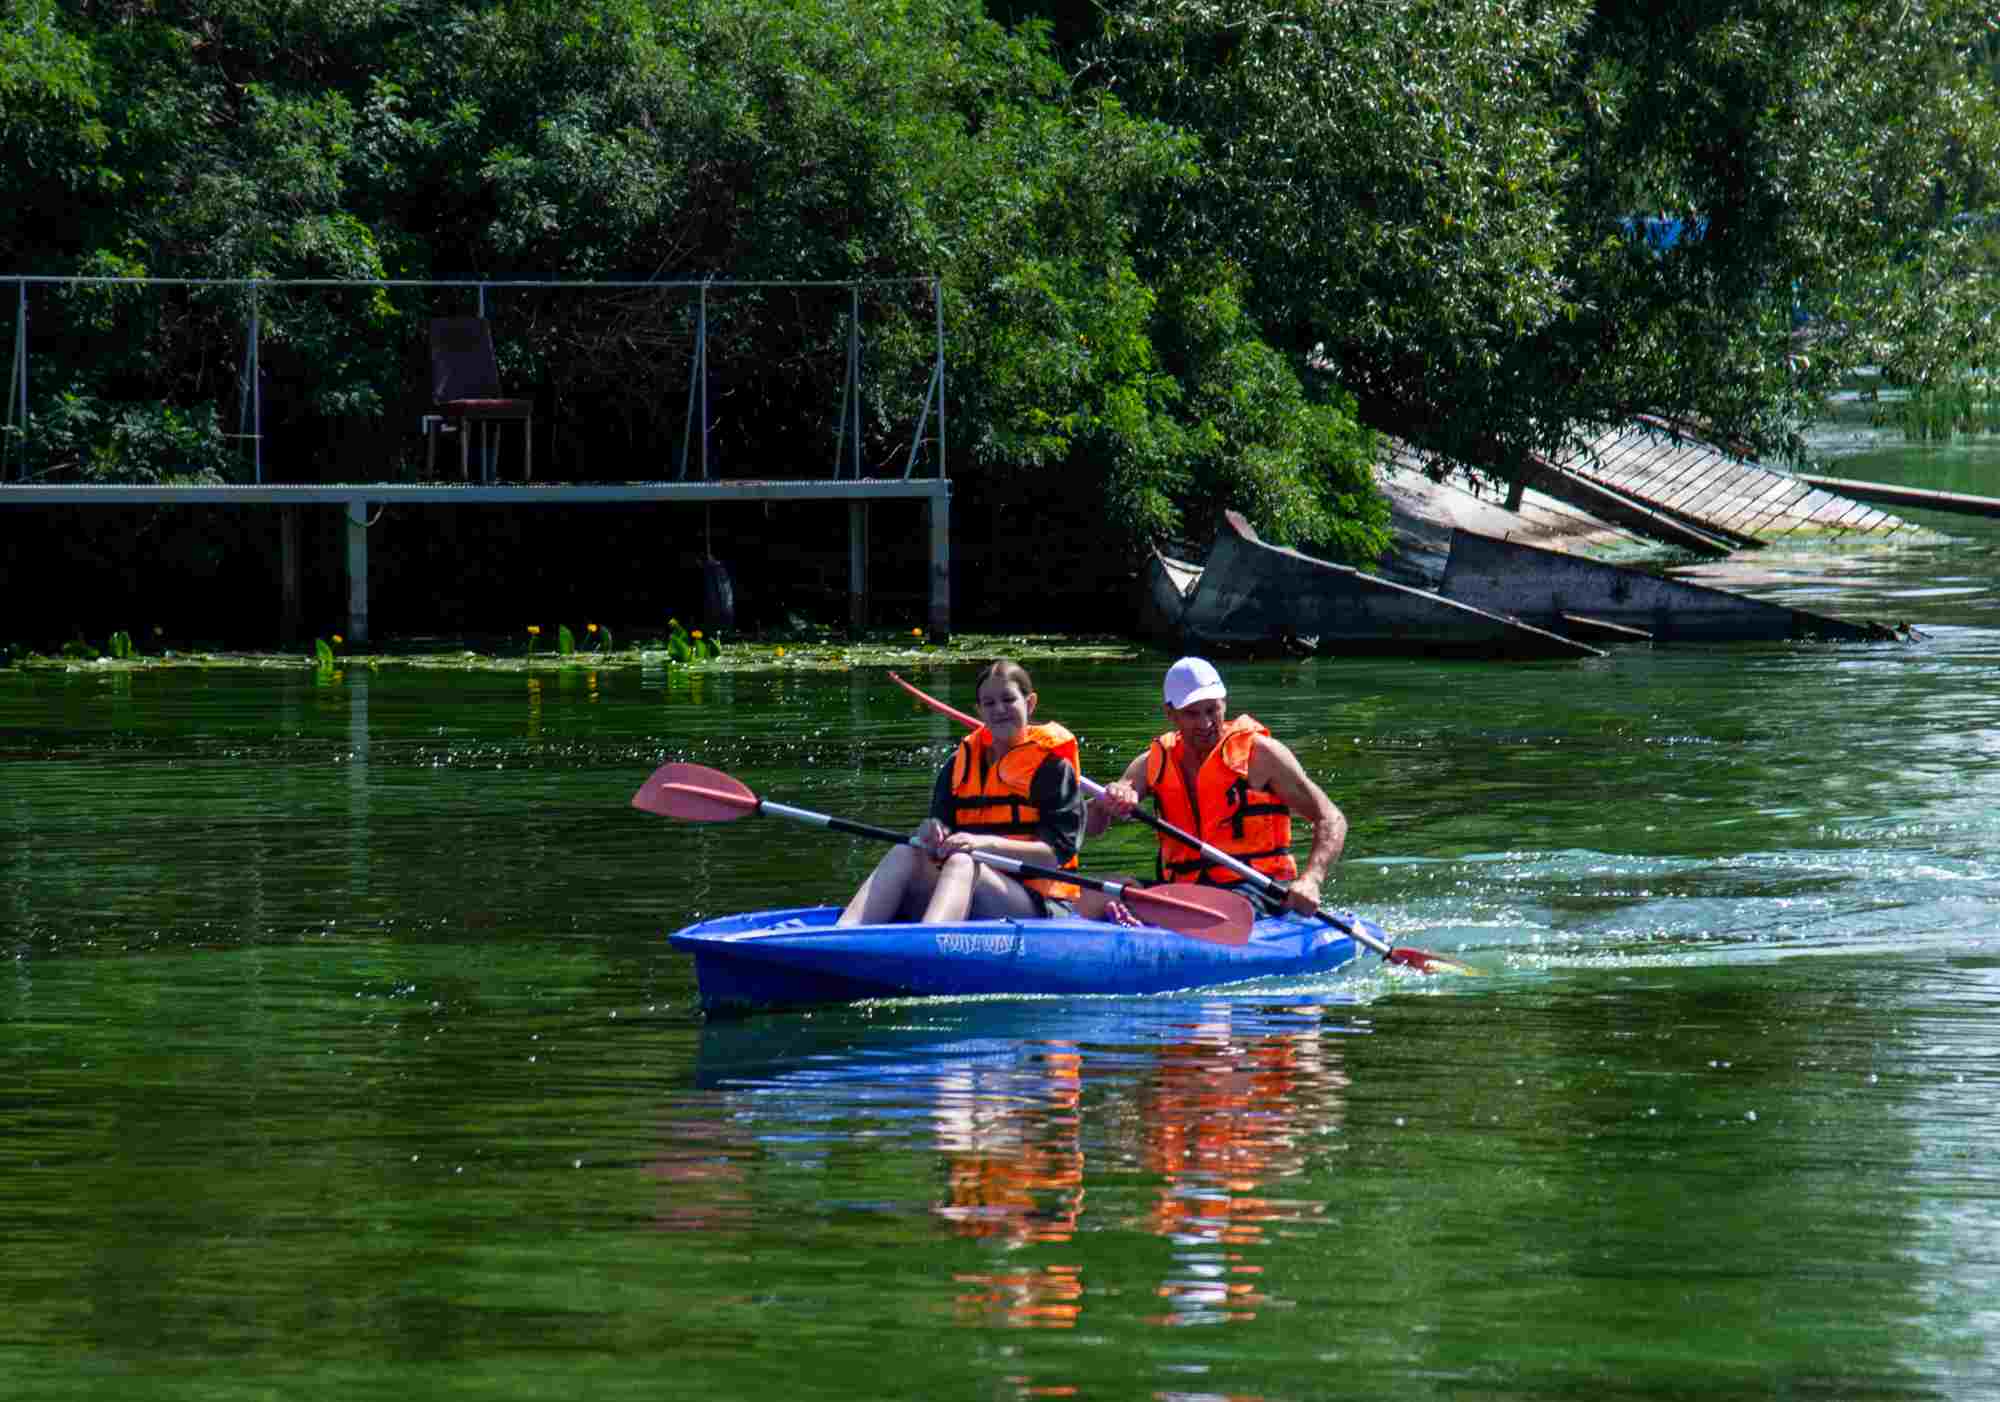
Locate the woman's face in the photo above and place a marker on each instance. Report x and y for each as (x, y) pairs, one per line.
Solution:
(1004, 707)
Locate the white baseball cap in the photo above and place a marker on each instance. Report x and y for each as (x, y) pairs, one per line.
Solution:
(1193, 679)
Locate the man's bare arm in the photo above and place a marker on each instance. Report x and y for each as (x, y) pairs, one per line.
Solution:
(1274, 767)
(1119, 798)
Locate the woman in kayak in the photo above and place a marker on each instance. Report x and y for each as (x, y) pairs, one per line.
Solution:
(1010, 789)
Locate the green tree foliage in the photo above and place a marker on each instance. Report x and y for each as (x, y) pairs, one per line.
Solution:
(1144, 236)
(1826, 149)
(203, 140)
(50, 122)
(1290, 456)
(80, 437)
(1385, 174)
(672, 140)
(1440, 193)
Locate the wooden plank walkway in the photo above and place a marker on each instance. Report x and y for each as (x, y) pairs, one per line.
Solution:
(1915, 498)
(1698, 483)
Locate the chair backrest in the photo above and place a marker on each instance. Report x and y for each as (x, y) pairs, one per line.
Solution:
(462, 361)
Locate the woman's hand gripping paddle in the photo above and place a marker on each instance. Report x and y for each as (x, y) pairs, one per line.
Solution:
(701, 795)
(1423, 961)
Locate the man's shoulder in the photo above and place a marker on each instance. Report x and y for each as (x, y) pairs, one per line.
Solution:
(1267, 749)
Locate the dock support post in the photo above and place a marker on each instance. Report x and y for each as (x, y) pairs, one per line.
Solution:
(288, 576)
(857, 566)
(937, 518)
(357, 571)
(17, 385)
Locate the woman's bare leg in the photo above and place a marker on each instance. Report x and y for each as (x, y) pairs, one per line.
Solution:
(902, 881)
(966, 888)
(951, 895)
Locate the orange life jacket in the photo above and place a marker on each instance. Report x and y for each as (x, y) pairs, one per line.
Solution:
(1251, 825)
(993, 798)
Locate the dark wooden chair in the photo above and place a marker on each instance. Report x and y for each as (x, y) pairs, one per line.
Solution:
(465, 391)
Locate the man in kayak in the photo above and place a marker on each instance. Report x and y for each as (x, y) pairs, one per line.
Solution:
(1229, 783)
(1010, 789)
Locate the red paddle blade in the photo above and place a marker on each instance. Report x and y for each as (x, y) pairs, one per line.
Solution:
(1424, 962)
(936, 705)
(695, 793)
(1203, 912)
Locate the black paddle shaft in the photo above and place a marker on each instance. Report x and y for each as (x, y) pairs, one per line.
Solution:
(1014, 864)
(1346, 927)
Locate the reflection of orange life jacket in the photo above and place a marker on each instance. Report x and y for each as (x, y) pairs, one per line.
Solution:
(1252, 825)
(993, 798)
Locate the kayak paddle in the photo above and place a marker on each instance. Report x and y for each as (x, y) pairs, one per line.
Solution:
(1423, 961)
(702, 795)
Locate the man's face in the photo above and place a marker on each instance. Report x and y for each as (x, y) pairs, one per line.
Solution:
(1199, 725)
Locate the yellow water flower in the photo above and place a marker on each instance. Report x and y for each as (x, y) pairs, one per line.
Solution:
(781, 652)
(696, 633)
(338, 640)
(534, 630)
(916, 632)
(590, 627)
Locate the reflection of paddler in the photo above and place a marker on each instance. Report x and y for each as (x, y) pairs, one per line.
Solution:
(1222, 1120)
(1018, 1174)
(1050, 1298)
(704, 1168)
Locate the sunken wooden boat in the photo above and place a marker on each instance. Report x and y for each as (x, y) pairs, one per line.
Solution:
(1250, 597)
(1589, 598)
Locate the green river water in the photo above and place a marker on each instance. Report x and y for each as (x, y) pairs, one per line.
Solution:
(342, 1054)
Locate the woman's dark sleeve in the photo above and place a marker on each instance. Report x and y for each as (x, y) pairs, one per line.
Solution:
(941, 808)
(1059, 798)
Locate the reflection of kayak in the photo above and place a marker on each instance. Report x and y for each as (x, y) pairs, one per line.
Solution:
(797, 958)
(859, 1051)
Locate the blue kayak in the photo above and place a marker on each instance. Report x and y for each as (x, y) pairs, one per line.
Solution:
(800, 958)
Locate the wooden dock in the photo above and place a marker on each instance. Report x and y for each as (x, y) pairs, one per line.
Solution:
(1698, 485)
(1909, 498)
(356, 500)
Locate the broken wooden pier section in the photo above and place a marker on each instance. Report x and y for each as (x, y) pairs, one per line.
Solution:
(1521, 587)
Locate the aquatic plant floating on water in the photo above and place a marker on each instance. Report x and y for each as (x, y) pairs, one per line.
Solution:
(690, 647)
